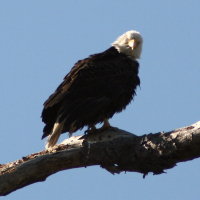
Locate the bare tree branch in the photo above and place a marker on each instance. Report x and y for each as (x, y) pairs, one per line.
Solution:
(115, 150)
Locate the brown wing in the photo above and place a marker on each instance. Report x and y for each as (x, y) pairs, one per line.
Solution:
(95, 89)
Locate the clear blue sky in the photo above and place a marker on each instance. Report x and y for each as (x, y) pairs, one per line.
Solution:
(39, 43)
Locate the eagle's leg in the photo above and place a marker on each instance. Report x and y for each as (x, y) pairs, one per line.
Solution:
(106, 124)
(91, 129)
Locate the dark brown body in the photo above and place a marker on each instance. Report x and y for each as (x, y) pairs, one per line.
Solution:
(95, 89)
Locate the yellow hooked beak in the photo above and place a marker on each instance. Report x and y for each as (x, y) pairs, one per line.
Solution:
(132, 44)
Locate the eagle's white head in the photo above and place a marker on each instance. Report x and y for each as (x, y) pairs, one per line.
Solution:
(130, 43)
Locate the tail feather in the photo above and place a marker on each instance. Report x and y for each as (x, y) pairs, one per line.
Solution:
(54, 135)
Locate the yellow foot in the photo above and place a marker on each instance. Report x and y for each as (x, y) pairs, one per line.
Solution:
(106, 126)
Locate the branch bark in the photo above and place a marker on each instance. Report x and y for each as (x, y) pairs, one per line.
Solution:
(115, 150)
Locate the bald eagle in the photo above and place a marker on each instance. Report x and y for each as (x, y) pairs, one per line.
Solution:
(95, 89)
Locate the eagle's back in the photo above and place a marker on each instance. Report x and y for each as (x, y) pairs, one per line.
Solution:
(96, 88)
